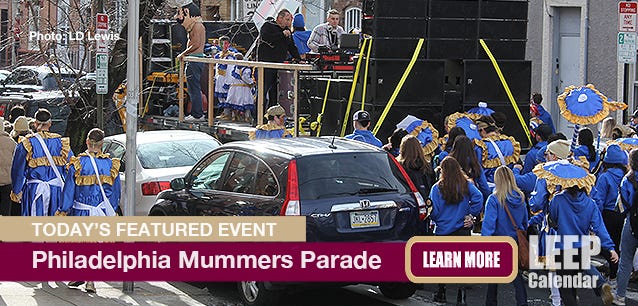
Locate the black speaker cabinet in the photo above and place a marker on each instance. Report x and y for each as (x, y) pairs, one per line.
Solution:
(483, 84)
(396, 48)
(424, 85)
(393, 8)
(399, 27)
(336, 103)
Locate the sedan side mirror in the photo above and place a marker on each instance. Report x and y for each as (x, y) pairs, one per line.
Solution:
(178, 183)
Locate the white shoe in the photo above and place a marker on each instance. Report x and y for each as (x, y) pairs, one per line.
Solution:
(619, 300)
(191, 118)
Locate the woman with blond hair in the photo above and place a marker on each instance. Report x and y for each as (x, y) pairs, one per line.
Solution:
(455, 203)
(505, 209)
(417, 167)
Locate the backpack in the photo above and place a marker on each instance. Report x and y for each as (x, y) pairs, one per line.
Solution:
(422, 181)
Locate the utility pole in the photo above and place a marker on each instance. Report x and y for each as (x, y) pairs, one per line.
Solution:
(132, 100)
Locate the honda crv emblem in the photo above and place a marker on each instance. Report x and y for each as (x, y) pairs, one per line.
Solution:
(364, 203)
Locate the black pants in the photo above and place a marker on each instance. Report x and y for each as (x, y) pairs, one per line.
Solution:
(5, 200)
(270, 87)
(613, 222)
(569, 295)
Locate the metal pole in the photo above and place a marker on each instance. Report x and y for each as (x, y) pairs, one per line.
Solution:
(132, 100)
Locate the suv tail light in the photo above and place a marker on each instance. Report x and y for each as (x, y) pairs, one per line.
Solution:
(291, 205)
(423, 211)
(153, 188)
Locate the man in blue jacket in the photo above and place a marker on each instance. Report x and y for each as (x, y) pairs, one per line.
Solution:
(361, 123)
(541, 133)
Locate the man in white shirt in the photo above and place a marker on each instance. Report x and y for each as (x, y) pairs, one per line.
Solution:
(327, 34)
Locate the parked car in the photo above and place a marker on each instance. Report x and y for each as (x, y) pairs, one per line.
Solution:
(161, 156)
(55, 101)
(37, 78)
(349, 191)
(4, 74)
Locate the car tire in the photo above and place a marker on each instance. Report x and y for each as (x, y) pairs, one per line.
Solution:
(255, 294)
(397, 291)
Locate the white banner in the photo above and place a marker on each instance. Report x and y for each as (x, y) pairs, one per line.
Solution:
(270, 8)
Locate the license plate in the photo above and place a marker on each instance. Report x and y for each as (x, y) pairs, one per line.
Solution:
(360, 219)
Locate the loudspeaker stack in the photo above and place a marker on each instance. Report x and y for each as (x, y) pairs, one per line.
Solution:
(452, 72)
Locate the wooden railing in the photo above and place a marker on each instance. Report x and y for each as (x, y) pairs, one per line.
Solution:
(260, 84)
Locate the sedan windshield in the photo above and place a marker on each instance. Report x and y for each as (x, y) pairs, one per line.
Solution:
(174, 153)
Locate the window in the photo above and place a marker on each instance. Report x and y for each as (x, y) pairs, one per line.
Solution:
(266, 182)
(173, 153)
(353, 19)
(242, 172)
(336, 175)
(116, 150)
(207, 175)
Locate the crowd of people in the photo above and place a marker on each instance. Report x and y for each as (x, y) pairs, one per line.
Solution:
(41, 176)
(476, 181)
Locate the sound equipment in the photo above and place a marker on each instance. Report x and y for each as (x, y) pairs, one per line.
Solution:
(332, 118)
(481, 83)
(396, 48)
(424, 85)
(392, 8)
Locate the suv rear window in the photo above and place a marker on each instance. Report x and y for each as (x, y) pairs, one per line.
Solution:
(343, 174)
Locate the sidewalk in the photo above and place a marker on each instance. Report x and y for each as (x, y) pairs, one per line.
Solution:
(108, 293)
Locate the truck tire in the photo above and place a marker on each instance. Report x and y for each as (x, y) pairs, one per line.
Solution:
(255, 294)
(397, 291)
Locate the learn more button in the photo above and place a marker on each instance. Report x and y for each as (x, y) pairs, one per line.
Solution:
(468, 259)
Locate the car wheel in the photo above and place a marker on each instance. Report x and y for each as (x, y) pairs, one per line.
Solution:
(397, 291)
(255, 294)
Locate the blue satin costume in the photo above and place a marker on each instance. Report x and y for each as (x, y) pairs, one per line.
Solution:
(34, 182)
(270, 130)
(81, 189)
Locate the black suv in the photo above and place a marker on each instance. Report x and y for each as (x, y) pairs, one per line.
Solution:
(349, 191)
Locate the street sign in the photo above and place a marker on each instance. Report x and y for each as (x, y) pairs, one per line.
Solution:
(627, 47)
(102, 54)
(102, 73)
(101, 33)
(627, 11)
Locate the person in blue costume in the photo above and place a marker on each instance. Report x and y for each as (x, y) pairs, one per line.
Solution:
(462, 151)
(223, 78)
(541, 133)
(575, 213)
(37, 170)
(527, 181)
(92, 186)
(299, 34)
(449, 142)
(394, 142)
(504, 208)
(361, 123)
(85, 192)
(628, 241)
(539, 199)
(496, 149)
(275, 127)
(614, 168)
(537, 110)
(455, 203)
(240, 95)
(586, 148)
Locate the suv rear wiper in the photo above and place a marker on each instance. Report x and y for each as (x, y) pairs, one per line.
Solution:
(375, 190)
